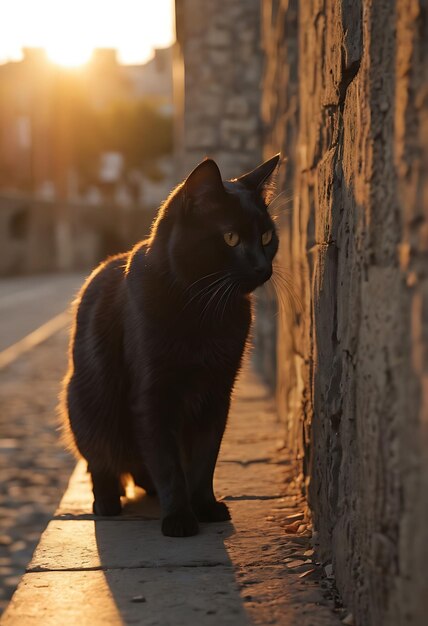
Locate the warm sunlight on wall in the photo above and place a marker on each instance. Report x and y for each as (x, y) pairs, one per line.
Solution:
(69, 30)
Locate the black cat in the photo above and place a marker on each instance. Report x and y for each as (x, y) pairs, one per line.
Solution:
(157, 344)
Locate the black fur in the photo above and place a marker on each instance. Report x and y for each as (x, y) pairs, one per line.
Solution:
(157, 343)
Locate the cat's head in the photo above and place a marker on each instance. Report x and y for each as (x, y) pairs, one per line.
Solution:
(222, 229)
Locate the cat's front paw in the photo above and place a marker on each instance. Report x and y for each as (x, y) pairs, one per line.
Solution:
(183, 524)
(212, 512)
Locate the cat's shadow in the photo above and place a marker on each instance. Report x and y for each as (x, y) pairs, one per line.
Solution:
(164, 580)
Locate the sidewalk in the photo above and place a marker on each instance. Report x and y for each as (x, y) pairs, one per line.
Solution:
(255, 570)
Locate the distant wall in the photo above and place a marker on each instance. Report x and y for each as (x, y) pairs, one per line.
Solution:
(37, 236)
(345, 96)
(217, 84)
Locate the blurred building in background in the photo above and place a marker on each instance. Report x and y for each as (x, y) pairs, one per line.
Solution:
(76, 145)
(154, 78)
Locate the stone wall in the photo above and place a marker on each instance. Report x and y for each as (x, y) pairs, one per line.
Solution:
(346, 99)
(217, 78)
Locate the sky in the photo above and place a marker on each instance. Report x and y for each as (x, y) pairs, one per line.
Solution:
(70, 29)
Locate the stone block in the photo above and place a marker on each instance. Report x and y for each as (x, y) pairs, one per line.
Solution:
(237, 106)
(219, 38)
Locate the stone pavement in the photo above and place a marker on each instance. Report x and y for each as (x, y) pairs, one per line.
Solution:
(34, 467)
(257, 569)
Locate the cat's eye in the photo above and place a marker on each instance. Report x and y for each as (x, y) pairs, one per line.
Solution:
(232, 239)
(267, 237)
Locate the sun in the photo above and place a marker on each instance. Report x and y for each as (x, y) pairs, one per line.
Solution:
(68, 55)
(69, 30)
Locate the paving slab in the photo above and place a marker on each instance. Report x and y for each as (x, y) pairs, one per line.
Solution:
(135, 596)
(87, 544)
(256, 569)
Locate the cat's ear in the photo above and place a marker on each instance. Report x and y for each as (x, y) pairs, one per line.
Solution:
(258, 177)
(204, 181)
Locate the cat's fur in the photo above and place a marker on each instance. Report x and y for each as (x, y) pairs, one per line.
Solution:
(157, 343)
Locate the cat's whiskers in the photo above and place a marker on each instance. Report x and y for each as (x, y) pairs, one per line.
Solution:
(280, 204)
(285, 291)
(282, 281)
(195, 282)
(279, 297)
(285, 195)
(205, 288)
(229, 297)
(223, 295)
(213, 295)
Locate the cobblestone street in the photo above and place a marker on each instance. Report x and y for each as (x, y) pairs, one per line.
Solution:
(34, 467)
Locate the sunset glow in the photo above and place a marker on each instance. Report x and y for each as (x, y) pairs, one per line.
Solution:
(69, 31)
(67, 55)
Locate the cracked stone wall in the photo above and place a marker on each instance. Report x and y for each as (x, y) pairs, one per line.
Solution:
(345, 97)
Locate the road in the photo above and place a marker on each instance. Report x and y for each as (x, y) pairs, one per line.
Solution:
(28, 302)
